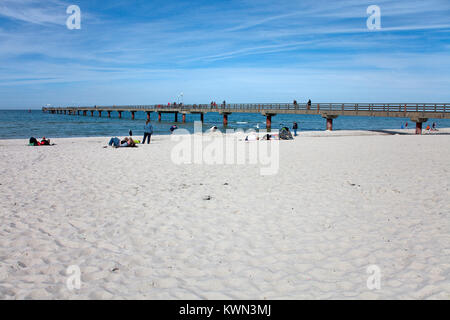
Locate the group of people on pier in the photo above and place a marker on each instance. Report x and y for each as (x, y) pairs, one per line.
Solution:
(308, 104)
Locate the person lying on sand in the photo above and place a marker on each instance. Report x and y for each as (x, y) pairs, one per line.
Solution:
(44, 142)
(125, 143)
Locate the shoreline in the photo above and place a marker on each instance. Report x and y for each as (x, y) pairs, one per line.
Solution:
(335, 133)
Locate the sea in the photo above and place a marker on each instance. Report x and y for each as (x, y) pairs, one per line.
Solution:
(23, 124)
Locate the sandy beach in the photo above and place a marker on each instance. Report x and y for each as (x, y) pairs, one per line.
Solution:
(139, 226)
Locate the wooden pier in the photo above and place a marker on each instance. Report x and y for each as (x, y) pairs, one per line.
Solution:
(417, 112)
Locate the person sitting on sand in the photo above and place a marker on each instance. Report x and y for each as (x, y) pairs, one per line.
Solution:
(428, 129)
(173, 128)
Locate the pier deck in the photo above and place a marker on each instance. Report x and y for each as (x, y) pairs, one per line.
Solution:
(417, 112)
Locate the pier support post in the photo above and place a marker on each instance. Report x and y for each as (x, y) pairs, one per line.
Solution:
(99, 113)
(419, 122)
(78, 112)
(84, 113)
(330, 124)
(120, 114)
(176, 116)
(65, 112)
(202, 117)
(268, 120)
(184, 117)
(109, 114)
(330, 118)
(132, 115)
(159, 116)
(92, 113)
(418, 127)
(148, 115)
(225, 119)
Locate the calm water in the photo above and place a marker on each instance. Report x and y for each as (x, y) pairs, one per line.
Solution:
(22, 124)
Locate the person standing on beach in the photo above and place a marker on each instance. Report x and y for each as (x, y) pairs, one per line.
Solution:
(309, 104)
(295, 128)
(148, 131)
(433, 127)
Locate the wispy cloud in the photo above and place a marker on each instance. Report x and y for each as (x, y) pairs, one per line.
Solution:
(35, 12)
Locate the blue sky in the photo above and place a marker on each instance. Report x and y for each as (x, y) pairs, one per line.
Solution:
(147, 52)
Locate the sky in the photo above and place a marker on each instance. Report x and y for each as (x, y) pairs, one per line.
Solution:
(150, 52)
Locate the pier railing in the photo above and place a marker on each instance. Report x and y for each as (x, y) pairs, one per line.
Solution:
(253, 107)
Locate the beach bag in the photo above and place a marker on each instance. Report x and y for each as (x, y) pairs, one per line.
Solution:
(285, 134)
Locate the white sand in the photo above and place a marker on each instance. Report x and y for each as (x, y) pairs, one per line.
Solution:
(337, 205)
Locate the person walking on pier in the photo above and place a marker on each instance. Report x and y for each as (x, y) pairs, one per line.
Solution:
(148, 131)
